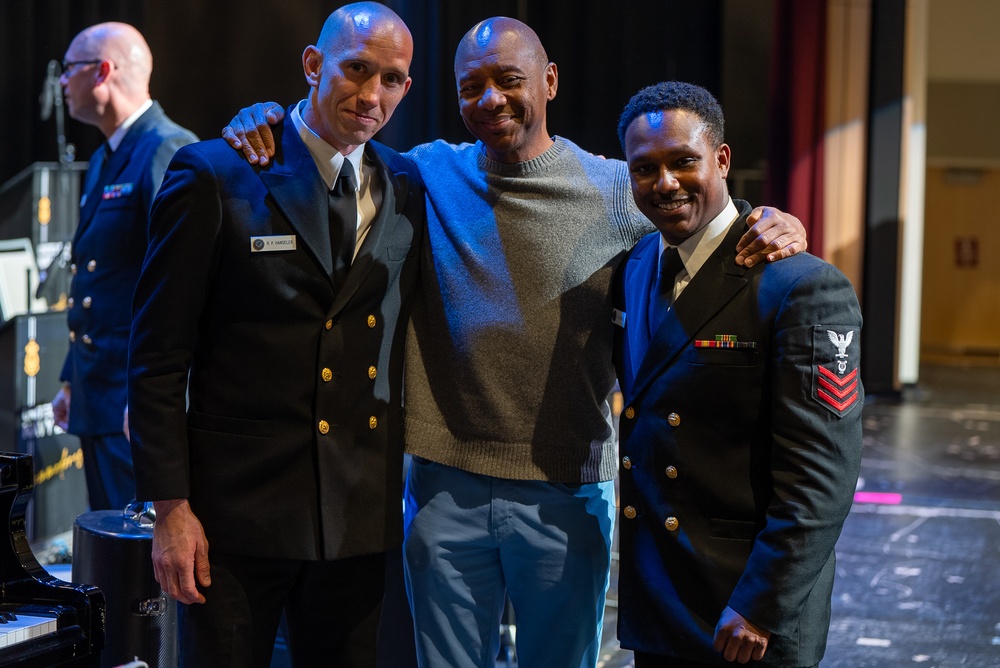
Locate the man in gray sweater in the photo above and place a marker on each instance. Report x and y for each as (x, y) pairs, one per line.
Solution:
(509, 369)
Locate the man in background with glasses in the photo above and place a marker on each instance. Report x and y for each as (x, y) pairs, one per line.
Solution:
(105, 83)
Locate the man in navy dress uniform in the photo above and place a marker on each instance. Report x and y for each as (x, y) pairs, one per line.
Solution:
(105, 81)
(275, 300)
(741, 433)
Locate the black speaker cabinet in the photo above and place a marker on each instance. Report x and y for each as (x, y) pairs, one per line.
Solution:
(114, 553)
(32, 351)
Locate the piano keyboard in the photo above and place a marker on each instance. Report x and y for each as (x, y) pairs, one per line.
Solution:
(24, 627)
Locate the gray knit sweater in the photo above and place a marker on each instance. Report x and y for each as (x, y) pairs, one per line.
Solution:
(508, 359)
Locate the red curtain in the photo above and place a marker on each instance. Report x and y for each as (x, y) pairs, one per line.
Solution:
(797, 101)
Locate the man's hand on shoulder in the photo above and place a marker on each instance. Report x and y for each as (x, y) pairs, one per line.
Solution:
(250, 131)
(773, 235)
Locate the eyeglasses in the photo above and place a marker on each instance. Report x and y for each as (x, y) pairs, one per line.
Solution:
(67, 64)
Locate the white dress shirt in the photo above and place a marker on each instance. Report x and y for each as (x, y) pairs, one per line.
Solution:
(329, 161)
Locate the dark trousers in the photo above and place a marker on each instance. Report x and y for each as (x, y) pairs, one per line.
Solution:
(332, 611)
(107, 463)
(396, 647)
(658, 661)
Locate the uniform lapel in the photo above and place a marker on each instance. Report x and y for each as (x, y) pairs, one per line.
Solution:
(639, 276)
(123, 154)
(716, 283)
(92, 192)
(300, 193)
(115, 165)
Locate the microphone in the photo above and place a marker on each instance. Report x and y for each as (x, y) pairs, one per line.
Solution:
(51, 90)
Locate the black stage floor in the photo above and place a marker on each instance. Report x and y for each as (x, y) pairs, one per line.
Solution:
(919, 559)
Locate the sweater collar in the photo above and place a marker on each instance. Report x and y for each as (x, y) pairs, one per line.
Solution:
(551, 155)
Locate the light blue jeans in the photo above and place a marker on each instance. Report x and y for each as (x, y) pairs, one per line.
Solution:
(472, 539)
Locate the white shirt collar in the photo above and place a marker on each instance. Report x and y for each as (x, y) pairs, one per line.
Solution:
(699, 246)
(116, 138)
(328, 159)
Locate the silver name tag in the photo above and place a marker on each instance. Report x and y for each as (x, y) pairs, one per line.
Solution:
(280, 242)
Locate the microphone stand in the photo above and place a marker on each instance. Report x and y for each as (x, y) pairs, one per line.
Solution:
(52, 100)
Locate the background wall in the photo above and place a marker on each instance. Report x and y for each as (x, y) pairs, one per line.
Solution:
(961, 298)
(961, 286)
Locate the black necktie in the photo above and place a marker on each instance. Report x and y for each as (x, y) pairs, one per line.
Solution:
(663, 291)
(343, 222)
(97, 163)
(103, 153)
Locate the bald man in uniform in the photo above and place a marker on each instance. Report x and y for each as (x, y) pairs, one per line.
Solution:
(105, 83)
(276, 300)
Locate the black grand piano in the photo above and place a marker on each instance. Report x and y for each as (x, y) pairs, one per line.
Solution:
(44, 621)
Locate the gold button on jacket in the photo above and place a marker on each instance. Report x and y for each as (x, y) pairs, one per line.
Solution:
(629, 413)
(327, 375)
(671, 472)
(626, 463)
(324, 427)
(674, 419)
(629, 512)
(671, 524)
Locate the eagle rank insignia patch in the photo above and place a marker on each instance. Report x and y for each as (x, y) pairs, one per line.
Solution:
(836, 373)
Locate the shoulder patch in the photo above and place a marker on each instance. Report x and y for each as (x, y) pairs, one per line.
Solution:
(836, 382)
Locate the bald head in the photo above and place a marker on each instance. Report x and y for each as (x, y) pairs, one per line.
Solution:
(107, 77)
(127, 49)
(358, 72)
(364, 20)
(501, 32)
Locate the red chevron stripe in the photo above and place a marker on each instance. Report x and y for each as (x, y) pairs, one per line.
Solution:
(839, 405)
(839, 393)
(835, 378)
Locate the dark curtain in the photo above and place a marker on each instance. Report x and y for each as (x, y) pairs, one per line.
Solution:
(798, 81)
(211, 58)
(205, 65)
(32, 34)
(604, 51)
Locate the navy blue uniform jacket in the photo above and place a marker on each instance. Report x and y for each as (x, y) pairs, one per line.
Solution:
(740, 446)
(292, 443)
(108, 247)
